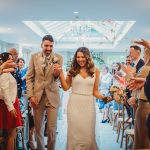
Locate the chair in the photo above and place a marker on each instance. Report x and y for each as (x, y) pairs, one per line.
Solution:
(111, 115)
(116, 115)
(129, 134)
(123, 123)
(21, 131)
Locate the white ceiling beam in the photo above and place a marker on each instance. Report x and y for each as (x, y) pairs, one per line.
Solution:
(34, 27)
(61, 30)
(89, 45)
(124, 31)
(104, 32)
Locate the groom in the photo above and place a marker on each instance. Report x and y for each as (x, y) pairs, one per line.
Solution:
(42, 91)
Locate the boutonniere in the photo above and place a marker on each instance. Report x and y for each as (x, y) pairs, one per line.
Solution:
(55, 59)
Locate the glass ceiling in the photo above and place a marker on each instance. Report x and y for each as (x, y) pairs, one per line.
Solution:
(93, 34)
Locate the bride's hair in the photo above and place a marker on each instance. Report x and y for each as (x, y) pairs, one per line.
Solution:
(75, 67)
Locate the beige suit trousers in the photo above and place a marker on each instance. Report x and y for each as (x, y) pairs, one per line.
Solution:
(39, 115)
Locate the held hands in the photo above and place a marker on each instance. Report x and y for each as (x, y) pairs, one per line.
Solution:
(57, 70)
(34, 102)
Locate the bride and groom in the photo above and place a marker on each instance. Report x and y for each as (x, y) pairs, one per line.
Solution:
(42, 91)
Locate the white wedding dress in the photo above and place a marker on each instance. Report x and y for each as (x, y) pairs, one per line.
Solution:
(81, 115)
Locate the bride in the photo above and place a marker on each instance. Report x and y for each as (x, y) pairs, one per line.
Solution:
(83, 77)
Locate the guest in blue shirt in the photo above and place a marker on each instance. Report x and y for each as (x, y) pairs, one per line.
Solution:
(105, 84)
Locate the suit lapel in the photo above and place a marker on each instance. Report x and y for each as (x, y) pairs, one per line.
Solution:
(40, 62)
(139, 65)
(50, 65)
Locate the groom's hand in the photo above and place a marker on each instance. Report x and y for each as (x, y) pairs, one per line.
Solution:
(57, 70)
(34, 102)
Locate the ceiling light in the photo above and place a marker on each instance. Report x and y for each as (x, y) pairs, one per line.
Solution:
(8, 29)
(75, 12)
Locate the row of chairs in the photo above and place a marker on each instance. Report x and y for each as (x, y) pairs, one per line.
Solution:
(122, 122)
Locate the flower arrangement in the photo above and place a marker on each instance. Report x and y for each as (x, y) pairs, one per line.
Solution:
(118, 93)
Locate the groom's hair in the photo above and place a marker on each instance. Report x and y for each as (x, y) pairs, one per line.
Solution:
(48, 37)
(136, 48)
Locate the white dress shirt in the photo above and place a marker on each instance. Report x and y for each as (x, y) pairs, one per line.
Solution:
(8, 90)
(136, 62)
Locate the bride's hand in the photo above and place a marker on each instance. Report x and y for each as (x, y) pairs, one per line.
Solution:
(107, 99)
(57, 69)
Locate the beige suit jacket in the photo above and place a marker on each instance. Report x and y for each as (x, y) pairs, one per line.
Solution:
(144, 73)
(37, 82)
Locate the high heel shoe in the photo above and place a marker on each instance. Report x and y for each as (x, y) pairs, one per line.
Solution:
(106, 120)
(30, 147)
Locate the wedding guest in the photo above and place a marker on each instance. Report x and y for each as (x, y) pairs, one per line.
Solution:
(141, 137)
(22, 70)
(104, 86)
(135, 53)
(10, 115)
(24, 103)
(16, 74)
(147, 82)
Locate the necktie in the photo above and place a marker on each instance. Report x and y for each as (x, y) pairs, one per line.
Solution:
(133, 64)
(46, 65)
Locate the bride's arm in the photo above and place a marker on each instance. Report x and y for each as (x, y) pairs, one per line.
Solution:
(65, 83)
(96, 92)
